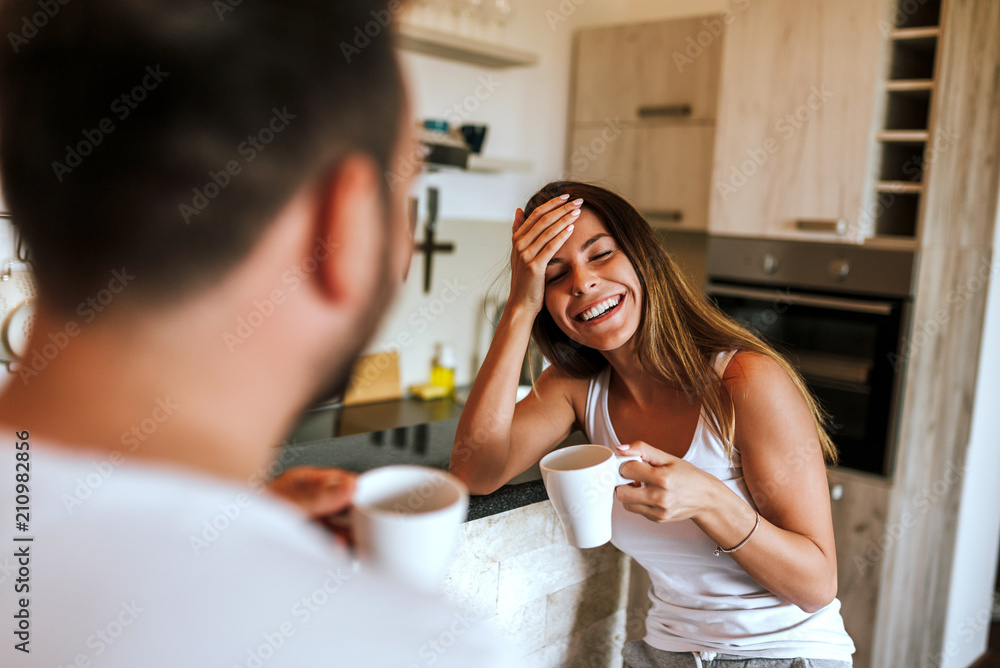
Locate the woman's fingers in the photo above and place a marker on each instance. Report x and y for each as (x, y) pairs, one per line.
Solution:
(518, 219)
(542, 218)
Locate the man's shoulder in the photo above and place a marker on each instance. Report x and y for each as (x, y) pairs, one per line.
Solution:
(236, 573)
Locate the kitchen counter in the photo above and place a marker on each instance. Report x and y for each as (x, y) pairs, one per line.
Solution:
(405, 431)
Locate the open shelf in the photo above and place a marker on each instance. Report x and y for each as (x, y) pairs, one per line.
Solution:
(918, 14)
(902, 162)
(913, 58)
(898, 215)
(905, 129)
(441, 44)
(908, 109)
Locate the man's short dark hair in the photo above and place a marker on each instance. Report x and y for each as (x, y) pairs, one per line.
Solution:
(161, 136)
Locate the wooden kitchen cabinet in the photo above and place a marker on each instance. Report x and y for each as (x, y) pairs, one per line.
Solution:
(860, 505)
(604, 155)
(795, 131)
(667, 69)
(643, 115)
(673, 167)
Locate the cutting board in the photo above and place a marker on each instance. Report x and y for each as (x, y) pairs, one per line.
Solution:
(375, 378)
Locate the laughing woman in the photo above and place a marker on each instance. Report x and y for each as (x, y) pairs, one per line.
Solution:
(731, 518)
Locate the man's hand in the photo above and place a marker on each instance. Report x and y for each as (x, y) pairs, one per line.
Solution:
(323, 495)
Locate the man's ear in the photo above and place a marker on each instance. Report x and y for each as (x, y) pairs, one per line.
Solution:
(351, 229)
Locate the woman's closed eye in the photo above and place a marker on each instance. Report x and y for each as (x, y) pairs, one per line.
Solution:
(554, 277)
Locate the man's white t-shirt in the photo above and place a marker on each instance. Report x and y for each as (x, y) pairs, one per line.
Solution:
(134, 566)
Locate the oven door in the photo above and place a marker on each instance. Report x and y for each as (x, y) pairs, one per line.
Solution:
(844, 347)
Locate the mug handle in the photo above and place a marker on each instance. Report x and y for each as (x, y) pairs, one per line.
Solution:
(619, 478)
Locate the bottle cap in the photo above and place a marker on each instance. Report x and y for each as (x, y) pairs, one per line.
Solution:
(445, 356)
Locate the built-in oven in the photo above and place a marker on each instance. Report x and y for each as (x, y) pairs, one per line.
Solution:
(840, 314)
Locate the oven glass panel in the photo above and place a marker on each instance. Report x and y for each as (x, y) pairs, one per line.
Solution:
(844, 357)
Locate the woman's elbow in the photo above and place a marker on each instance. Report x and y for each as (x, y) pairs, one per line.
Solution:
(820, 596)
(476, 481)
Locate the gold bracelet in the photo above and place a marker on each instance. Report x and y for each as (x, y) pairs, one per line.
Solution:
(719, 550)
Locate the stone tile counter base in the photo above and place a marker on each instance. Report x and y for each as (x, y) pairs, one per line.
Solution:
(558, 605)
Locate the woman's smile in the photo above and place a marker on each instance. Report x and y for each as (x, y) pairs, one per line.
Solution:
(591, 288)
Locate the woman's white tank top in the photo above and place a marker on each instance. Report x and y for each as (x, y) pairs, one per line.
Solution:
(700, 602)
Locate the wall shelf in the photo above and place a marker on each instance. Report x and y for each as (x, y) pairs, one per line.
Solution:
(441, 44)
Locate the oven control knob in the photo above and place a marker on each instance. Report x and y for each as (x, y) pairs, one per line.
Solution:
(770, 263)
(840, 269)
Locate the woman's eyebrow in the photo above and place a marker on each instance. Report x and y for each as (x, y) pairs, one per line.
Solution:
(587, 244)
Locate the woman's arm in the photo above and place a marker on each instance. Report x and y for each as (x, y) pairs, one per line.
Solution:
(792, 552)
(497, 439)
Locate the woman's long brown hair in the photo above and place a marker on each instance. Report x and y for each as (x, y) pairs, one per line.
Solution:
(679, 329)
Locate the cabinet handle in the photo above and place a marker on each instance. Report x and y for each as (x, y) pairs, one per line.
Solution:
(665, 110)
(835, 225)
(666, 216)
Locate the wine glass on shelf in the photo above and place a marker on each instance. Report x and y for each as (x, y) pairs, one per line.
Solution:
(502, 13)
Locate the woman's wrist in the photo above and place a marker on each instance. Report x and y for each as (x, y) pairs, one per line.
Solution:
(725, 517)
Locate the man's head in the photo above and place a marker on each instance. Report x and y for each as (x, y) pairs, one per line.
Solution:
(172, 140)
(163, 136)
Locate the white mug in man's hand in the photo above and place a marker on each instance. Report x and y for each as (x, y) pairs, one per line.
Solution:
(581, 481)
(406, 522)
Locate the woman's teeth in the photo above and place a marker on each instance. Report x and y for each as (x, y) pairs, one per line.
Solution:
(600, 309)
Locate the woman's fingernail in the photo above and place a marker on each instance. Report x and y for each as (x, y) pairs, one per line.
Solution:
(575, 212)
(563, 196)
(623, 446)
(578, 202)
(569, 228)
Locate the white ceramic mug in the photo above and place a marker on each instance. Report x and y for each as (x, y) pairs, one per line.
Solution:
(581, 481)
(406, 522)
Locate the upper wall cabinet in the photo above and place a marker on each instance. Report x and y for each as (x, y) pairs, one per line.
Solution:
(795, 134)
(667, 69)
(643, 115)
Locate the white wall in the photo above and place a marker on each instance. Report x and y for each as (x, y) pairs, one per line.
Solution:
(526, 110)
(970, 599)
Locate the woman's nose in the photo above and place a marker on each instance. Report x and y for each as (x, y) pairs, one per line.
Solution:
(583, 281)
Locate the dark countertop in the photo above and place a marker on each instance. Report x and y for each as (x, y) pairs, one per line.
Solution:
(405, 431)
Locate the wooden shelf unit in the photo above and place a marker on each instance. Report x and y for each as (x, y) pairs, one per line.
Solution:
(906, 127)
